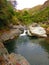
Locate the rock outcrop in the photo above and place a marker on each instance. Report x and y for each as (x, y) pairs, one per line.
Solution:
(14, 31)
(46, 4)
(9, 34)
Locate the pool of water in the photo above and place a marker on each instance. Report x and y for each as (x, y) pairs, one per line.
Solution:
(35, 50)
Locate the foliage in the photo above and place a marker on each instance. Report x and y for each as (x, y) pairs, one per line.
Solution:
(35, 15)
(7, 13)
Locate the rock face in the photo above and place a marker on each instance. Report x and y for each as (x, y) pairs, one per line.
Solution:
(37, 31)
(9, 35)
(46, 4)
(3, 49)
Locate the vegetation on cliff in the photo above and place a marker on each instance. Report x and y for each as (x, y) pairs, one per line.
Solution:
(7, 13)
(39, 14)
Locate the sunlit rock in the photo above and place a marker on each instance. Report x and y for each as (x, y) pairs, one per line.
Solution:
(37, 31)
(17, 59)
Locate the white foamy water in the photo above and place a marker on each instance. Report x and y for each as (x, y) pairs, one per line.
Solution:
(23, 33)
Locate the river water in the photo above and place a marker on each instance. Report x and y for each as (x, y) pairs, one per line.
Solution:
(35, 50)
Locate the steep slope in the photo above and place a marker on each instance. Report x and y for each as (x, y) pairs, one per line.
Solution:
(46, 4)
(43, 14)
(34, 9)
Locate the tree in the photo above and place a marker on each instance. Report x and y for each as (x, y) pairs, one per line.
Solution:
(6, 13)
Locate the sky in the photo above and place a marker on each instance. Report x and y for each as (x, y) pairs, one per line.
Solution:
(21, 4)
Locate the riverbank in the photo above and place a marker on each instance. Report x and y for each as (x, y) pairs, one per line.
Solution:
(11, 59)
(5, 57)
(11, 33)
(35, 50)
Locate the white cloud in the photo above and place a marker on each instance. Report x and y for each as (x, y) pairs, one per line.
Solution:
(28, 3)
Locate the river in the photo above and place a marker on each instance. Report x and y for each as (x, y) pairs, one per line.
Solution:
(35, 50)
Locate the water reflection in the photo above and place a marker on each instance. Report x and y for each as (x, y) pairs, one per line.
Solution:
(45, 44)
(35, 50)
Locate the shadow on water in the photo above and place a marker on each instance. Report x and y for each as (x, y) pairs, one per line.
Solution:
(45, 44)
(33, 37)
(10, 45)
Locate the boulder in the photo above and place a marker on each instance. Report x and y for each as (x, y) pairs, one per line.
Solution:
(37, 31)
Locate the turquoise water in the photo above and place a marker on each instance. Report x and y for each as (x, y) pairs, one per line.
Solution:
(35, 50)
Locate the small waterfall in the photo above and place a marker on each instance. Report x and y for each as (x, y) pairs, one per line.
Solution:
(23, 33)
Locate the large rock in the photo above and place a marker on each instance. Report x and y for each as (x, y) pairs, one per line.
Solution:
(12, 33)
(37, 31)
(17, 59)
